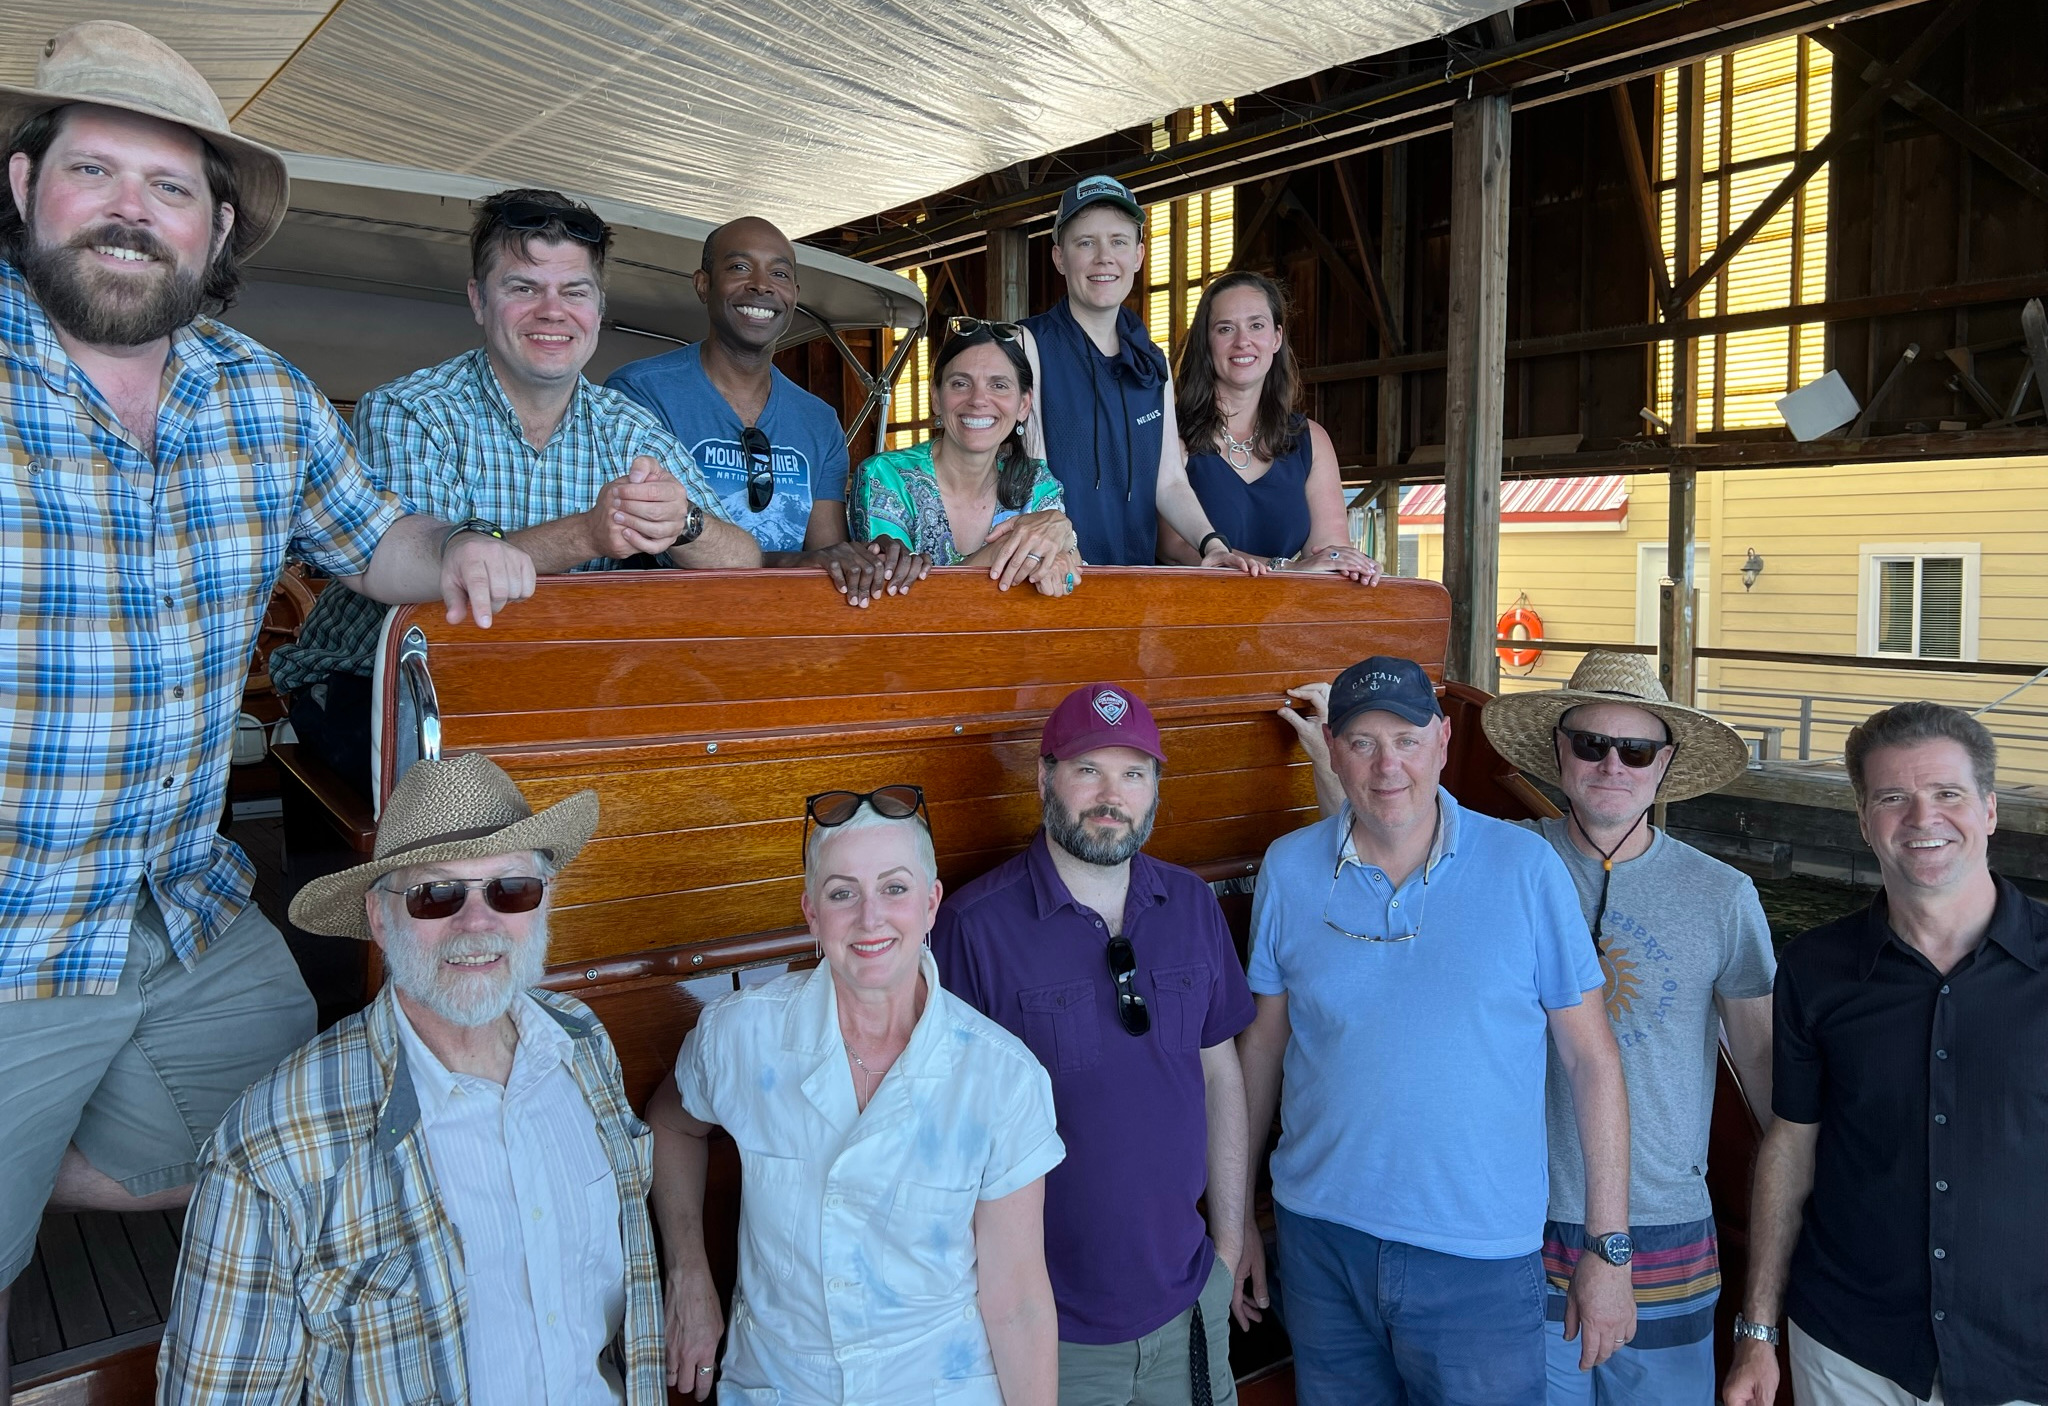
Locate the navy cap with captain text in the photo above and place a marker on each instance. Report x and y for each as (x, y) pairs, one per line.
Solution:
(1386, 684)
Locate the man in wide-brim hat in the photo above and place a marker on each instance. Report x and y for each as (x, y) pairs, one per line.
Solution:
(445, 1194)
(1686, 952)
(157, 467)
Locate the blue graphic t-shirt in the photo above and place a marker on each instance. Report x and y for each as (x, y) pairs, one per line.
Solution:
(810, 447)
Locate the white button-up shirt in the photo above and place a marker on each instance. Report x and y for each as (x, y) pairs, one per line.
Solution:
(857, 1264)
(535, 1207)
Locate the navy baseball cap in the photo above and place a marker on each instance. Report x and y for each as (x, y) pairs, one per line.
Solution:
(1396, 686)
(1097, 190)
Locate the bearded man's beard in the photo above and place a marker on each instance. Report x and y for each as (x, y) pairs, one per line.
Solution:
(103, 308)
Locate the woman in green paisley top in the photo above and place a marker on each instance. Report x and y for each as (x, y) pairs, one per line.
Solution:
(969, 496)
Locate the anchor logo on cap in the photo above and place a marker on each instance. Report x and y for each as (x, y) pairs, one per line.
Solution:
(1111, 707)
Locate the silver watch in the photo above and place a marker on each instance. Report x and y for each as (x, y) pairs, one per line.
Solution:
(1762, 1332)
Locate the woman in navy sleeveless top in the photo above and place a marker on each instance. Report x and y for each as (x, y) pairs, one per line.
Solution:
(1266, 474)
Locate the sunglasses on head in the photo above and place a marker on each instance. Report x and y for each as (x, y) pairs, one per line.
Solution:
(443, 898)
(528, 216)
(830, 809)
(1130, 1006)
(1635, 752)
(968, 326)
(760, 455)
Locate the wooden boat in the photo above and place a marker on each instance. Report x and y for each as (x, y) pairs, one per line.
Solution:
(704, 706)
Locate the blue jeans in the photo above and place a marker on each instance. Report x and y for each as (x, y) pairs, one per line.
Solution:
(1658, 1376)
(1378, 1323)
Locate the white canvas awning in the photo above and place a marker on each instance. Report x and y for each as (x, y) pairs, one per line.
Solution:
(364, 282)
(811, 113)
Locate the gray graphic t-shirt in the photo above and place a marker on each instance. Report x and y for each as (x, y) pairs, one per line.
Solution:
(1681, 929)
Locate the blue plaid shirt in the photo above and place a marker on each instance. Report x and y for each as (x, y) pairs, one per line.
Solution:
(130, 592)
(449, 439)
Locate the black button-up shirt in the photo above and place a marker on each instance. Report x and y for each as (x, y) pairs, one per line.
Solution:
(1925, 1242)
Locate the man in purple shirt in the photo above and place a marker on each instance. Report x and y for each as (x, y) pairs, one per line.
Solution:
(1119, 972)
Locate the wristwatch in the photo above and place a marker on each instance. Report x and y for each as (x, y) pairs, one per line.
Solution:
(693, 527)
(1617, 1248)
(1762, 1332)
(480, 525)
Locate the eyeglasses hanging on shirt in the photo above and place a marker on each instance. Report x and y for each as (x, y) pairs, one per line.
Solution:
(760, 457)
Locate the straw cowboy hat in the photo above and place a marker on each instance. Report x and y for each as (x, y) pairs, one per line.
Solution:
(467, 808)
(1523, 726)
(117, 65)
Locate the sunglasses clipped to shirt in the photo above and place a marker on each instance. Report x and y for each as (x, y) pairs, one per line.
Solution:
(527, 216)
(760, 457)
(443, 898)
(1123, 970)
(1635, 752)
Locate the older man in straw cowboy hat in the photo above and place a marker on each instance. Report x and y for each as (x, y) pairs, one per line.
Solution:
(444, 1196)
(1686, 954)
(154, 469)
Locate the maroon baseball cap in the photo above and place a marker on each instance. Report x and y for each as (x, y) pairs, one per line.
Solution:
(1100, 715)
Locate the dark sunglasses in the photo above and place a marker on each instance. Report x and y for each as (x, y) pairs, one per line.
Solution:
(1130, 1006)
(760, 467)
(527, 216)
(443, 898)
(830, 809)
(1635, 752)
(968, 326)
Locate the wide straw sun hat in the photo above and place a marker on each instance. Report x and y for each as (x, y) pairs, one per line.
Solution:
(1523, 726)
(111, 64)
(464, 808)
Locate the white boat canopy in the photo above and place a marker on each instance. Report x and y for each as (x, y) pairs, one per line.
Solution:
(365, 280)
(811, 113)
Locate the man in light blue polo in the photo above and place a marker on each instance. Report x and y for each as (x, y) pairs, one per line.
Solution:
(1408, 959)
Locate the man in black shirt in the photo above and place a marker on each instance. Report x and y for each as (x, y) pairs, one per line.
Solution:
(1904, 1184)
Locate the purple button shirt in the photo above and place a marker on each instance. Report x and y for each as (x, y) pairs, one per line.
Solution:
(1126, 1248)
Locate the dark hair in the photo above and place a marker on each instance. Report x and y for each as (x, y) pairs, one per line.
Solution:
(1016, 471)
(1907, 724)
(34, 138)
(1277, 426)
(490, 233)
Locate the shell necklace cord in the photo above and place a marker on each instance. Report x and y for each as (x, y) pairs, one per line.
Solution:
(1606, 872)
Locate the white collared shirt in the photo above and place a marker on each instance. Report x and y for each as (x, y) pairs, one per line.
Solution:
(857, 1264)
(535, 1207)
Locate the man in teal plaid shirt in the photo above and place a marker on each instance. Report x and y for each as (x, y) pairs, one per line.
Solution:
(579, 477)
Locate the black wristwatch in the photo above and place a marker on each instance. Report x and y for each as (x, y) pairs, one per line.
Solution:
(483, 526)
(1762, 1332)
(1617, 1247)
(693, 527)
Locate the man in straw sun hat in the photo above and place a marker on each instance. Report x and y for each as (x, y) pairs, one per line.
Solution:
(444, 1195)
(155, 467)
(1686, 953)
(1412, 960)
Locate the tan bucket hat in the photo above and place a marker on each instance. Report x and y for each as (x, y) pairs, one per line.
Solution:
(465, 808)
(1523, 726)
(117, 65)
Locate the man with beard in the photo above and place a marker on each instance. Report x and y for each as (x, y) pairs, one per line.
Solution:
(155, 468)
(1120, 974)
(774, 452)
(444, 1195)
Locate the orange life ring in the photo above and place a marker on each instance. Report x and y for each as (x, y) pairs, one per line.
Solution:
(1530, 625)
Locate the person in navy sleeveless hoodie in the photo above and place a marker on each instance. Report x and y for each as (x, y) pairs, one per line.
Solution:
(1266, 474)
(1104, 417)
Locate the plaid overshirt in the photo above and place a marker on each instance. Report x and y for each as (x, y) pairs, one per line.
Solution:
(449, 440)
(318, 1264)
(130, 592)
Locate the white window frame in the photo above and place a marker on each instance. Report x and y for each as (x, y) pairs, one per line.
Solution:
(1868, 595)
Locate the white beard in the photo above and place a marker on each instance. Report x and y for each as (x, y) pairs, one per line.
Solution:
(465, 998)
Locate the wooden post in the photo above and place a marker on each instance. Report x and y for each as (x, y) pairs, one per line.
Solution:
(1677, 595)
(1474, 406)
(1392, 387)
(1009, 275)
